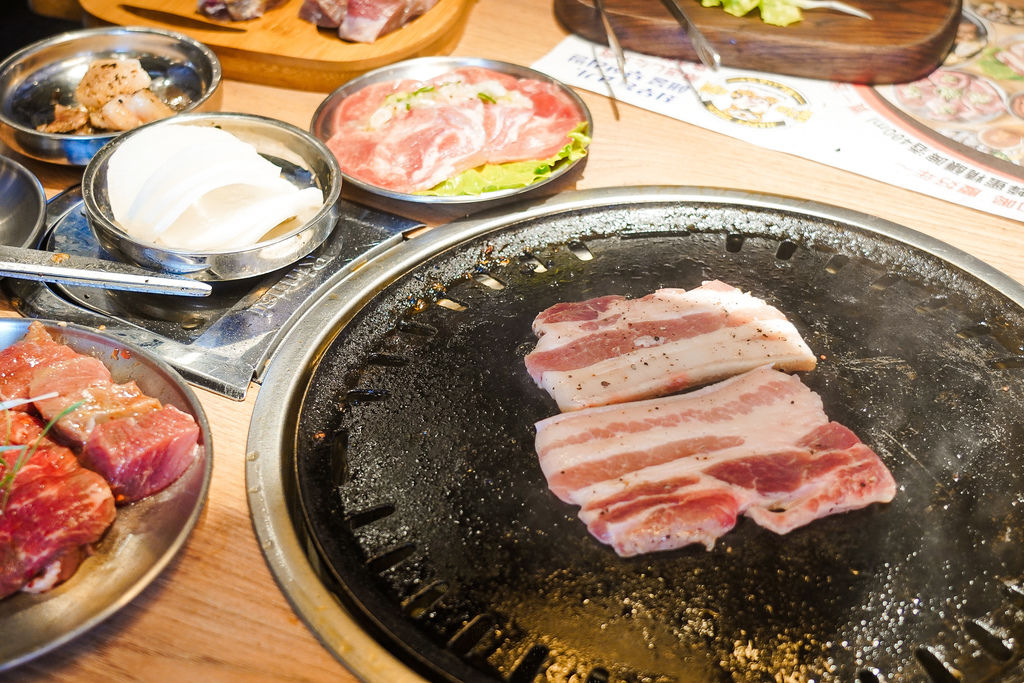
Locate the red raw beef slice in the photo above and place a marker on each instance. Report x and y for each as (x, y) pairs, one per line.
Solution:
(141, 455)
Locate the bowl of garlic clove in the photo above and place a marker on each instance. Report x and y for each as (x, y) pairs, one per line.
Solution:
(213, 196)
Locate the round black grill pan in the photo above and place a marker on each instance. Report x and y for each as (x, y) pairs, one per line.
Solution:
(419, 485)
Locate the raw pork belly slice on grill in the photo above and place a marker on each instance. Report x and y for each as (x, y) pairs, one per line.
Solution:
(411, 135)
(54, 510)
(612, 349)
(664, 473)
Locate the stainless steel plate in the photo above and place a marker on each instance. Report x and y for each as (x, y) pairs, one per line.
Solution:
(144, 537)
(424, 68)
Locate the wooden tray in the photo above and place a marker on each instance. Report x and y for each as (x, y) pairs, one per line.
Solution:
(283, 50)
(906, 39)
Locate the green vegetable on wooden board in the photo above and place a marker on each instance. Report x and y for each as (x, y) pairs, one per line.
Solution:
(782, 12)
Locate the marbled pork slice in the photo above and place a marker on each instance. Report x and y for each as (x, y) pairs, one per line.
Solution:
(539, 134)
(612, 349)
(416, 151)
(665, 473)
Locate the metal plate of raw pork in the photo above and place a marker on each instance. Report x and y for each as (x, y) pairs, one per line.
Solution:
(397, 495)
(145, 536)
(325, 125)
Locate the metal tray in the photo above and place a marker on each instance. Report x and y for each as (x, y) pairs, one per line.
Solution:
(394, 487)
(145, 535)
(221, 342)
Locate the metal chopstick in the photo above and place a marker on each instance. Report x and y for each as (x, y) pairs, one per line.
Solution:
(707, 54)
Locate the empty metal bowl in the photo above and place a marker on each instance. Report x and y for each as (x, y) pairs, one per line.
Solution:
(324, 127)
(22, 204)
(305, 161)
(186, 75)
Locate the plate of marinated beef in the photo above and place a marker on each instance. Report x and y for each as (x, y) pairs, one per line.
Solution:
(105, 465)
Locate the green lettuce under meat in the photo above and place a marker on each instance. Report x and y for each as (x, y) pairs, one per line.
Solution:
(775, 12)
(514, 174)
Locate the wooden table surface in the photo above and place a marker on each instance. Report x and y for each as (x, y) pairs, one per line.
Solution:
(216, 613)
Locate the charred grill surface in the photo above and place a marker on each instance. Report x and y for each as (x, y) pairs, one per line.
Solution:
(420, 487)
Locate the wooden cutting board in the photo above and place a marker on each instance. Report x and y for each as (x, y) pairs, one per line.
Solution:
(283, 50)
(905, 40)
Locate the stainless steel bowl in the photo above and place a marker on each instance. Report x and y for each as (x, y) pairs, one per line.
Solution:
(306, 162)
(322, 125)
(22, 204)
(186, 74)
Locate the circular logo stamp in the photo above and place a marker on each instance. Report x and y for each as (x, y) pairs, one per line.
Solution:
(754, 101)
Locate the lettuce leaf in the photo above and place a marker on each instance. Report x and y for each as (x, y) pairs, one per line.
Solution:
(513, 174)
(775, 12)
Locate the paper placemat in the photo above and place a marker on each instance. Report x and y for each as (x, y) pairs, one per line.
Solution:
(851, 127)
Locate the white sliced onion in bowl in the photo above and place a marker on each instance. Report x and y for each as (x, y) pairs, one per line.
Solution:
(200, 188)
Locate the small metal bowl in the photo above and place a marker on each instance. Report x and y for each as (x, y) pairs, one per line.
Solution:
(22, 205)
(305, 161)
(322, 125)
(186, 75)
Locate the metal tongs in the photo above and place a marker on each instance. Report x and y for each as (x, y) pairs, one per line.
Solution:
(613, 40)
(70, 269)
(707, 54)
